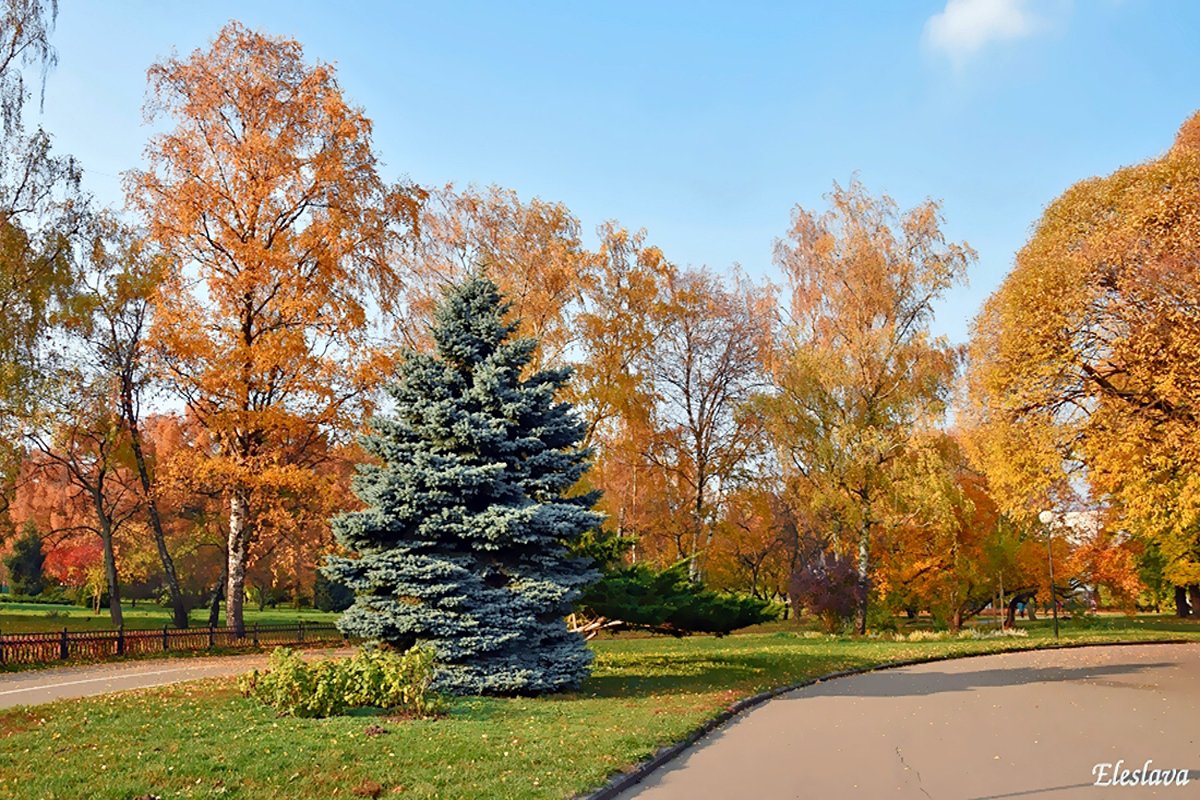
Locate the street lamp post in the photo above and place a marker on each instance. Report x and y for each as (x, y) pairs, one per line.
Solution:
(1047, 519)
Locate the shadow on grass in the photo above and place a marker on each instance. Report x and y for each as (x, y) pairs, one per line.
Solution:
(743, 670)
(902, 683)
(708, 673)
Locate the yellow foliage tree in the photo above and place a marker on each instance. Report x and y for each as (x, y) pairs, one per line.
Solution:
(1085, 364)
(857, 372)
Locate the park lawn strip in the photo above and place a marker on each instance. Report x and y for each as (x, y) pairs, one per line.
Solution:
(202, 739)
(42, 617)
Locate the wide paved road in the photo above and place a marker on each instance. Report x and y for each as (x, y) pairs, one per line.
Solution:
(1020, 726)
(58, 683)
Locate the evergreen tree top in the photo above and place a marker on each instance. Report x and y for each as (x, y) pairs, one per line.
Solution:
(469, 323)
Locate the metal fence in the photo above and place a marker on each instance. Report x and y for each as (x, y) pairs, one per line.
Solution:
(66, 645)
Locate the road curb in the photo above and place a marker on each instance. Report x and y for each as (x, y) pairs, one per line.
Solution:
(621, 781)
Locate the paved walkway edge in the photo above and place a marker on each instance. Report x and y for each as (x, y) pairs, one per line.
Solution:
(623, 780)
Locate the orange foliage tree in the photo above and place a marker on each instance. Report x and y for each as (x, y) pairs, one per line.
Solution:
(532, 250)
(623, 317)
(75, 487)
(757, 543)
(279, 236)
(950, 550)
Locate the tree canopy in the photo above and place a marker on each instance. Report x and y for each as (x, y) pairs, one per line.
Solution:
(1084, 373)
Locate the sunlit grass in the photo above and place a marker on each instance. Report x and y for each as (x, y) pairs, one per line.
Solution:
(27, 617)
(204, 740)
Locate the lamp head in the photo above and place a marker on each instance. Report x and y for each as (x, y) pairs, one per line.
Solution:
(1046, 517)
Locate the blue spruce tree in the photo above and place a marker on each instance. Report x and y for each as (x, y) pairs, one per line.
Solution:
(465, 543)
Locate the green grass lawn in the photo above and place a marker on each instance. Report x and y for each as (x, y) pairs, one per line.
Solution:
(203, 739)
(27, 617)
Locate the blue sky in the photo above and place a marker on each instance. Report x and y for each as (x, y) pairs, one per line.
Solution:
(704, 123)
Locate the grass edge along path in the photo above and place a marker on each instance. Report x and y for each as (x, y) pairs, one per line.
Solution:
(202, 739)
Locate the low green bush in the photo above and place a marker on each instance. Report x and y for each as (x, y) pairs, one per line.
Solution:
(880, 619)
(372, 678)
(52, 596)
(39, 600)
(667, 601)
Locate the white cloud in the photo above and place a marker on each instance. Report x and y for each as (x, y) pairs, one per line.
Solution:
(964, 27)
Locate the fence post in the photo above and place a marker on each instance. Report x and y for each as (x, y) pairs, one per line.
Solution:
(301, 627)
(121, 639)
(1, 647)
(256, 634)
(210, 637)
(165, 638)
(62, 646)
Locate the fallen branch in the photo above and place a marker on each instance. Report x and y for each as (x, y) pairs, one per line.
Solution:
(590, 629)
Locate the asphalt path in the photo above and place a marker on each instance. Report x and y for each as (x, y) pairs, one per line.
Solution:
(60, 683)
(1017, 726)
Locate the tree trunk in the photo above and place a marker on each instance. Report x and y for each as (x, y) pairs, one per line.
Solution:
(1194, 599)
(864, 574)
(1181, 603)
(235, 589)
(179, 609)
(693, 560)
(214, 600)
(956, 620)
(110, 564)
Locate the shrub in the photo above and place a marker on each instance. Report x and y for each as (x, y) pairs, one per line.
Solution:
(51, 597)
(923, 636)
(827, 586)
(25, 562)
(372, 678)
(329, 595)
(383, 679)
(995, 633)
(881, 619)
(668, 602)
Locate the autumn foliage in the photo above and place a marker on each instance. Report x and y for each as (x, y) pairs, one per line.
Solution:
(181, 388)
(278, 235)
(1085, 369)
